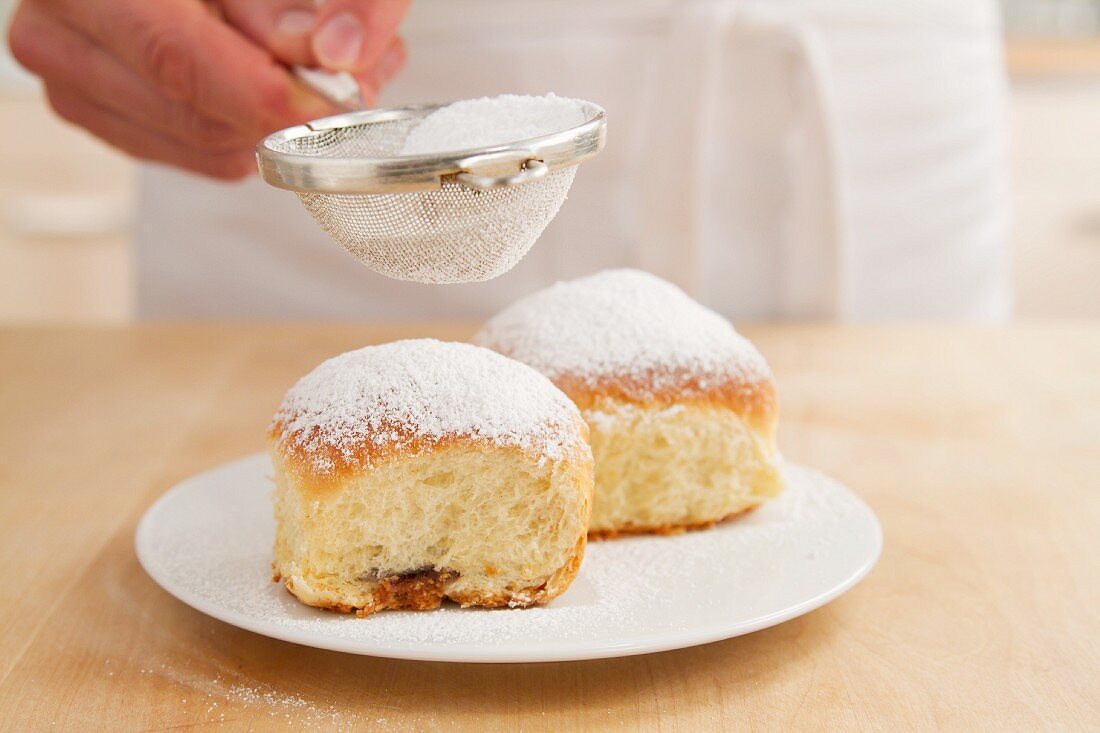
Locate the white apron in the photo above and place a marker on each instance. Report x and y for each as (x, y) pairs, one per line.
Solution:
(841, 160)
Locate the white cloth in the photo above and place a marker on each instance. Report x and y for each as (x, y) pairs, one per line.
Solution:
(803, 158)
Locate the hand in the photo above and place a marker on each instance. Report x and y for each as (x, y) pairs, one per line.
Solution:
(197, 84)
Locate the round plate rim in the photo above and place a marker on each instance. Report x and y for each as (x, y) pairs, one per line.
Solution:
(473, 653)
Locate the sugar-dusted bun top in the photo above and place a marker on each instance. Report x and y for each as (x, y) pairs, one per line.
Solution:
(632, 335)
(409, 396)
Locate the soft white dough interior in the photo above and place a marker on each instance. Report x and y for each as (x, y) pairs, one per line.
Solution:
(676, 465)
(501, 520)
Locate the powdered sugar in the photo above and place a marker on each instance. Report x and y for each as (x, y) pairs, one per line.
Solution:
(622, 323)
(489, 121)
(424, 391)
(209, 542)
(218, 690)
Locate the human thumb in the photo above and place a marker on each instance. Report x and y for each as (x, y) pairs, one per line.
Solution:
(283, 27)
(353, 35)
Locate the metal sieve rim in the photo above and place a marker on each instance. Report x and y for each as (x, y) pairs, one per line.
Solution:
(396, 174)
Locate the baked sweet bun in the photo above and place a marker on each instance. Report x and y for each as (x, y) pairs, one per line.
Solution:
(681, 408)
(422, 470)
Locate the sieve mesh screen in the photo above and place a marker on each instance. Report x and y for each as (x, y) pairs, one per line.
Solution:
(450, 235)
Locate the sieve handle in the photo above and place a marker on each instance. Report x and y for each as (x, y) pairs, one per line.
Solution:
(339, 89)
(531, 170)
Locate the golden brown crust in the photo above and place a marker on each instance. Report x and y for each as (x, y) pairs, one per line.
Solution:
(300, 461)
(300, 454)
(664, 529)
(426, 590)
(420, 591)
(301, 451)
(752, 399)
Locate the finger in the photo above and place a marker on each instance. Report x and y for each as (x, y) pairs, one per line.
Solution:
(389, 65)
(65, 58)
(198, 60)
(351, 35)
(144, 143)
(375, 79)
(283, 27)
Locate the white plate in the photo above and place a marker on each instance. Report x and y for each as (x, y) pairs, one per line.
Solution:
(208, 543)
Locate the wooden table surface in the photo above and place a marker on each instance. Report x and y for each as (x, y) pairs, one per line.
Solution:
(978, 448)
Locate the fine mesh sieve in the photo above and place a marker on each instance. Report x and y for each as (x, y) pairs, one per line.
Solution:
(459, 216)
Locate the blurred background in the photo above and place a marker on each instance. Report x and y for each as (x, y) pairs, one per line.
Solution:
(67, 202)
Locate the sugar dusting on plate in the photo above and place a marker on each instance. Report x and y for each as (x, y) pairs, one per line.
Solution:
(220, 558)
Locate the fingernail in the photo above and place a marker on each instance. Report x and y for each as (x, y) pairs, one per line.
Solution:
(294, 23)
(390, 63)
(337, 43)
